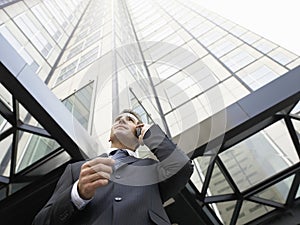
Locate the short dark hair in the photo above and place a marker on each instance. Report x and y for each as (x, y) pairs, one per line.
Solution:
(133, 113)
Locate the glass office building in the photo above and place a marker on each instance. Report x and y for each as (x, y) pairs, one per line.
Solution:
(226, 95)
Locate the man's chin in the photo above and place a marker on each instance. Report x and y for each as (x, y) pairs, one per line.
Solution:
(122, 137)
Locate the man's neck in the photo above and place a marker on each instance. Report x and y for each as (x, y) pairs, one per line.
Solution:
(130, 152)
(120, 146)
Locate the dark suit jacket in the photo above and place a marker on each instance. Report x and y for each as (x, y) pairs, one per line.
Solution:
(135, 194)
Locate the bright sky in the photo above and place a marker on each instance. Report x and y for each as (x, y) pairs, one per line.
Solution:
(275, 20)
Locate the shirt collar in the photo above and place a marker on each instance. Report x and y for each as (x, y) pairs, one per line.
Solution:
(130, 152)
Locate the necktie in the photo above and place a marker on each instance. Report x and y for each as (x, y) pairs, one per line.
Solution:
(118, 155)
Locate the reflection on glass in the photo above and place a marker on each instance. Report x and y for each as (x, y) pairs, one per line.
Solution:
(259, 77)
(4, 126)
(257, 158)
(67, 71)
(298, 193)
(2, 193)
(201, 166)
(17, 186)
(3, 2)
(218, 184)
(282, 56)
(237, 59)
(203, 163)
(280, 135)
(138, 108)
(264, 45)
(31, 30)
(278, 192)
(251, 211)
(5, 96)
(32, 148)
(224, 211)
(296, 124)
(1, 121)
(27, 118)
(223, 46)
(296, 109)
(20, 49)
(79, 104)
(5, 155)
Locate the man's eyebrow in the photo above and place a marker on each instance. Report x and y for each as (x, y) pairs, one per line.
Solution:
(127, 116)
(133, 117)
(117, 118)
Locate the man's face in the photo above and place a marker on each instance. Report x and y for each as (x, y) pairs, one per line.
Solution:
(123, 130)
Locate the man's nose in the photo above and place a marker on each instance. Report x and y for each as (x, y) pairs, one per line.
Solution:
(122, 120)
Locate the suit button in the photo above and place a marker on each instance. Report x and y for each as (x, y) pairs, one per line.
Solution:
(118, 199)
(117, 176)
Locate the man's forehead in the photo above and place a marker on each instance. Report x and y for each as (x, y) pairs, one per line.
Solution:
(127, 115)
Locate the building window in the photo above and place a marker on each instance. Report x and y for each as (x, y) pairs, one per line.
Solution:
(47, 22)
(277, 148)
(3, 2)
(224, 46)
(264, 46)
(79, 104)
(34, 34)
(296, 109)
(212, 36)
(1, 121)
(239, 60)
(19, 48)
(35, 147)
(260, 73)
(202, 29)
(282, 56)
(88, 58)
(260, 77)
(240, 57)
(56, 13)
(250, 37)
(82, 35)
(75, 50)
(92, 39)
(238, 30)
(67, 71)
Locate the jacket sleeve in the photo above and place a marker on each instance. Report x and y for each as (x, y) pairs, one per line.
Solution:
(59, 209)
(174, 167)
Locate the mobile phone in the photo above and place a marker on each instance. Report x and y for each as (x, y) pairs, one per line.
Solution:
(138, 131)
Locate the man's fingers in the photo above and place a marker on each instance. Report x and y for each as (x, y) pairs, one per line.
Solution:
(87, 191)
(141, 142)
(95, 176)
(90, 174)
(140, 125)
(144, 127)
(94, 173)
(92, 186)
(100, 160)
(101, 168)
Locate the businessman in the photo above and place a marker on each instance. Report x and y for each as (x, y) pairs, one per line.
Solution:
(118, 188)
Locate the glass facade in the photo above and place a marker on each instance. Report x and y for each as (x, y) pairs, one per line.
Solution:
(176, 64)
(79, 104)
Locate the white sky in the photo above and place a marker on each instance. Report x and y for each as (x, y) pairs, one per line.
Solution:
(276, 20)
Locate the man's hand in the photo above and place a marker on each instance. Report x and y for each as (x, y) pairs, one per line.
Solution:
(94, 174)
